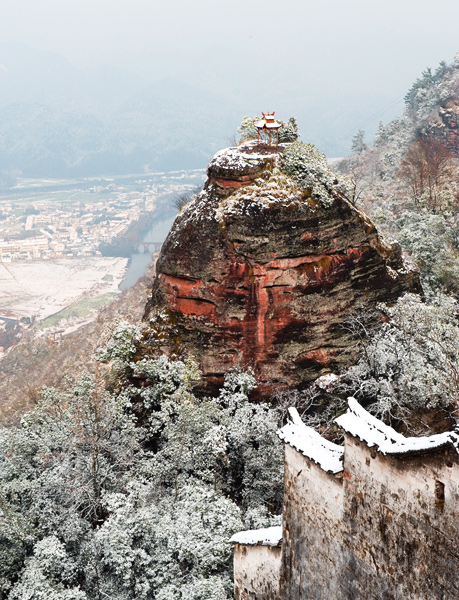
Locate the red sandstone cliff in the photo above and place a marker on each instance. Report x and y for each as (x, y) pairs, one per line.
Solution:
(445, 126)
(259, 274)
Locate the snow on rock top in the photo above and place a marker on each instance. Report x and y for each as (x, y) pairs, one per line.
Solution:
(326, 381)
(311, 444)
(276, 190)
(243, 160)
(235, 158)
(360, 423)
(270, 536)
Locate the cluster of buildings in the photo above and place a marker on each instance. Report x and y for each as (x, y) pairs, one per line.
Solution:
(53, 230)
(375, 519)
(45, 224)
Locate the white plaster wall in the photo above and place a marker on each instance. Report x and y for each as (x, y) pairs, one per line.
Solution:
(312, 537)
(377, 532)
(256, 572)
(400, 543)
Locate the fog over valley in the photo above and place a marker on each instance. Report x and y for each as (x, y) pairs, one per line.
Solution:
(111, 87)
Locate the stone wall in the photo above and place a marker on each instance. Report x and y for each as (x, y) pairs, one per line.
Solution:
(312, 538)
(256, 572)
(400, 539)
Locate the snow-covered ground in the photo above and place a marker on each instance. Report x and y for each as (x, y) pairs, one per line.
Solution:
(43, 288)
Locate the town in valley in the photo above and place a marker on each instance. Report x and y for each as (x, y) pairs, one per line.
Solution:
(66, 246)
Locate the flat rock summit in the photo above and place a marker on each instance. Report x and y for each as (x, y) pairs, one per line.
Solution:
(258, 272)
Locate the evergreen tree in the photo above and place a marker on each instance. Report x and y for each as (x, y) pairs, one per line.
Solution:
(358, 142)
(289, 131)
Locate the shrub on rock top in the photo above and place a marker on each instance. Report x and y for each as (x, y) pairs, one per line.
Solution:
(308, 167)
(289, 131)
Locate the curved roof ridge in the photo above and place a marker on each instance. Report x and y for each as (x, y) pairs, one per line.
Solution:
(360, 423)
(307, 441)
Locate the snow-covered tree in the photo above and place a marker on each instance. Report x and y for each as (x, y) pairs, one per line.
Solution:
(247, 129)
(289, 131)
(409, 366)
(165, 547)
(358, 142)
(120, 346)
(46, 574)
(134, 493)
(308, 167)
(426, 167)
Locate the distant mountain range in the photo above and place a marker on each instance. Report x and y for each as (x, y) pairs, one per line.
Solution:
(59, 121)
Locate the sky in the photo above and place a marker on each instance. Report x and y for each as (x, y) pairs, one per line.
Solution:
(295, 55)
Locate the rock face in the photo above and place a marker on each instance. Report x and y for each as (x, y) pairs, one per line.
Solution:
(257, 273)
(445, 126)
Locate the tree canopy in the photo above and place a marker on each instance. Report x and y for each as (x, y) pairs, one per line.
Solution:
(133, 493)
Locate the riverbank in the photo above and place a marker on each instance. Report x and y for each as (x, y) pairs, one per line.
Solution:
(140, 261)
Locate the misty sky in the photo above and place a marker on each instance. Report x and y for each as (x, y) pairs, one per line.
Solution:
(277, 55)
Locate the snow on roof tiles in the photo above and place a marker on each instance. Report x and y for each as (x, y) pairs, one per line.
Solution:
(269, 123)
(311, 444)
(271, 536)
(360, 423)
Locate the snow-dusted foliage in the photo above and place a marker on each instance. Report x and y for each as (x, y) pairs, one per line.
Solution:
(159, 332)
(411, 363)
(308, 167)
(163, 547)
(407, 181)
(247, 129)
(54, 471)
(358, 142)
(289, 131)
(46, 573)
(134, 494)
(120, 346)
(432, 89)
(432, 239)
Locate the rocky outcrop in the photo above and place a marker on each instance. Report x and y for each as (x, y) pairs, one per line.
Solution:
(257, 273)
(445, 126)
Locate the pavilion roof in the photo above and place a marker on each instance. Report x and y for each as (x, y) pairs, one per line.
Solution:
(267, 122)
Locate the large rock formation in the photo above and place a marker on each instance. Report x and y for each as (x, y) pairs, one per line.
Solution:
(445, 126)
(256, 272)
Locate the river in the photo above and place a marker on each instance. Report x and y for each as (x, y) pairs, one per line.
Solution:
(139, 261)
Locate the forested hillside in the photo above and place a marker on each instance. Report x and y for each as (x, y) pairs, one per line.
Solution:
(407, 181)
(132, 493)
